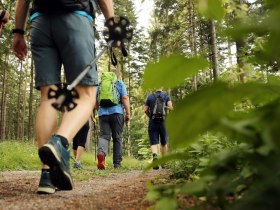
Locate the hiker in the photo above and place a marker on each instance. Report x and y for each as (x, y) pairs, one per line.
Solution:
(58, 37)
(111, 117)
(4, 18)
(79, 145)
(156, 107)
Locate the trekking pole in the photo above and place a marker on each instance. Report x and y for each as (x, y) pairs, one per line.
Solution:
(65, 95)
(128, 140)
(95, 142)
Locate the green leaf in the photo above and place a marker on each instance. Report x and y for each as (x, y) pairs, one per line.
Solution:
(153, 195)
(167, 204)
(193, 187)
(198, 112)
(211, 9)
(169, 157)
(204, 109)
(172, 71)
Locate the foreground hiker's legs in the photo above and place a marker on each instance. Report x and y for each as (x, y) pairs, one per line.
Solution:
(55, 153)
(46, 118)
(72, 121)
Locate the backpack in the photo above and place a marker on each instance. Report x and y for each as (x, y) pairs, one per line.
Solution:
(108, 94)
(53, 6)
(159, 112)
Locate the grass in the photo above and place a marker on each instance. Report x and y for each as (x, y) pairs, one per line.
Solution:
(23, 155)
(18, 155)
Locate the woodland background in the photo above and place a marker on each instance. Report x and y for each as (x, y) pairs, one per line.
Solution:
(219, 61)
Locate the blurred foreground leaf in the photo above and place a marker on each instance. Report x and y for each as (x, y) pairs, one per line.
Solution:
(172, 71)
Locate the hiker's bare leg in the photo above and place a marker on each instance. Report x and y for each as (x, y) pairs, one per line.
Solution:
(75, 153)
(72, 121)
(46, 119)
(154, 149)
(163, 149)
(79, 153)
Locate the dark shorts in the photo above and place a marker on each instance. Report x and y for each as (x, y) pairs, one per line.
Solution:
(157, 132)
(66, 39)
(81, 137)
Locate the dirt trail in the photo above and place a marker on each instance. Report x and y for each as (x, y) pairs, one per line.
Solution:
(116, 191)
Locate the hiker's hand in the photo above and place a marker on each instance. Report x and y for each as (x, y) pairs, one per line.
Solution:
(127, 118)
(19, 46)
(111, 22)
(6, 17)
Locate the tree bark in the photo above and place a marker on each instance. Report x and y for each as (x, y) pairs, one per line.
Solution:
(214, 50)
(3, 103)
(30, 107)
(192, 38)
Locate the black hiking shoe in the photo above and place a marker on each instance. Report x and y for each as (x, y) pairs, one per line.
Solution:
(57, 157)
(117, 166)
(154, 159)
(45, 184)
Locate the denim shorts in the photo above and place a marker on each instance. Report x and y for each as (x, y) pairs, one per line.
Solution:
(62, 39)
(157, 132)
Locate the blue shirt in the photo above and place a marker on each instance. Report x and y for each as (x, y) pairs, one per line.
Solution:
(117, 109)
(151, 100)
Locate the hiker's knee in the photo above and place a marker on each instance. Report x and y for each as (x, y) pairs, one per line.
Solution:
(45, 91)
(87, 91)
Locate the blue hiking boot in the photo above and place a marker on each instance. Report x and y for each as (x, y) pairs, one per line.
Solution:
(45, 184)
(57, 157)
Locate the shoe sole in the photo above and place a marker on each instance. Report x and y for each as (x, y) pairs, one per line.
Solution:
(100, 164)
(59, 176)
(45, 190)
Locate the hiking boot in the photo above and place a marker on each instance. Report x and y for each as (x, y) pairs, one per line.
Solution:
(45, 184)
(154, 159)
(77, 165)
(57, 157)
(101, 161)
(117, 166)
(163, 166)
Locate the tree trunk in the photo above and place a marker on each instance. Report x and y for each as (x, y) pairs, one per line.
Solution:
(3, 104)
(214, 50)
(192, 38)
(19, 117)
(240, 44)
(30, 107)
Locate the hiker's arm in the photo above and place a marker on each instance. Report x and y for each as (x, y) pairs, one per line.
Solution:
(147, 110)
(126, 104)
(107, 8)
(21, 14)
(169, 105)
(19, 44)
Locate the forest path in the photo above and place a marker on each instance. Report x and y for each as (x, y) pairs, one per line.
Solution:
(115, 191)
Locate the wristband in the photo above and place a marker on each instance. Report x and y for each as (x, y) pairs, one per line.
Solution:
(18, 31)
